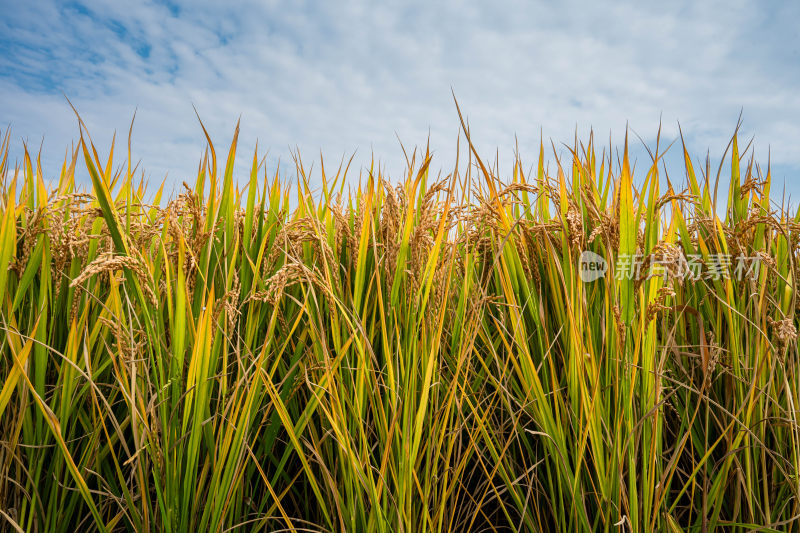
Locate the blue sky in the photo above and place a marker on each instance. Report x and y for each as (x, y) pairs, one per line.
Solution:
(336, 78)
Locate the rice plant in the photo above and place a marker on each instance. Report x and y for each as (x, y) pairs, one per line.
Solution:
(416, 355)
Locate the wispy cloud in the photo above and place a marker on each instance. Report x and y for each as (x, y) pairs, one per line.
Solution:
(339, 78)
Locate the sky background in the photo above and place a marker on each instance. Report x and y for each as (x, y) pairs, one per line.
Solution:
(343, 77)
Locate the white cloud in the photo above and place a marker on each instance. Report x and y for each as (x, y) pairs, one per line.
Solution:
(338, 78)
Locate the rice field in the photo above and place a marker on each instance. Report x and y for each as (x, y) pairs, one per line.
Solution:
(417, 353)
